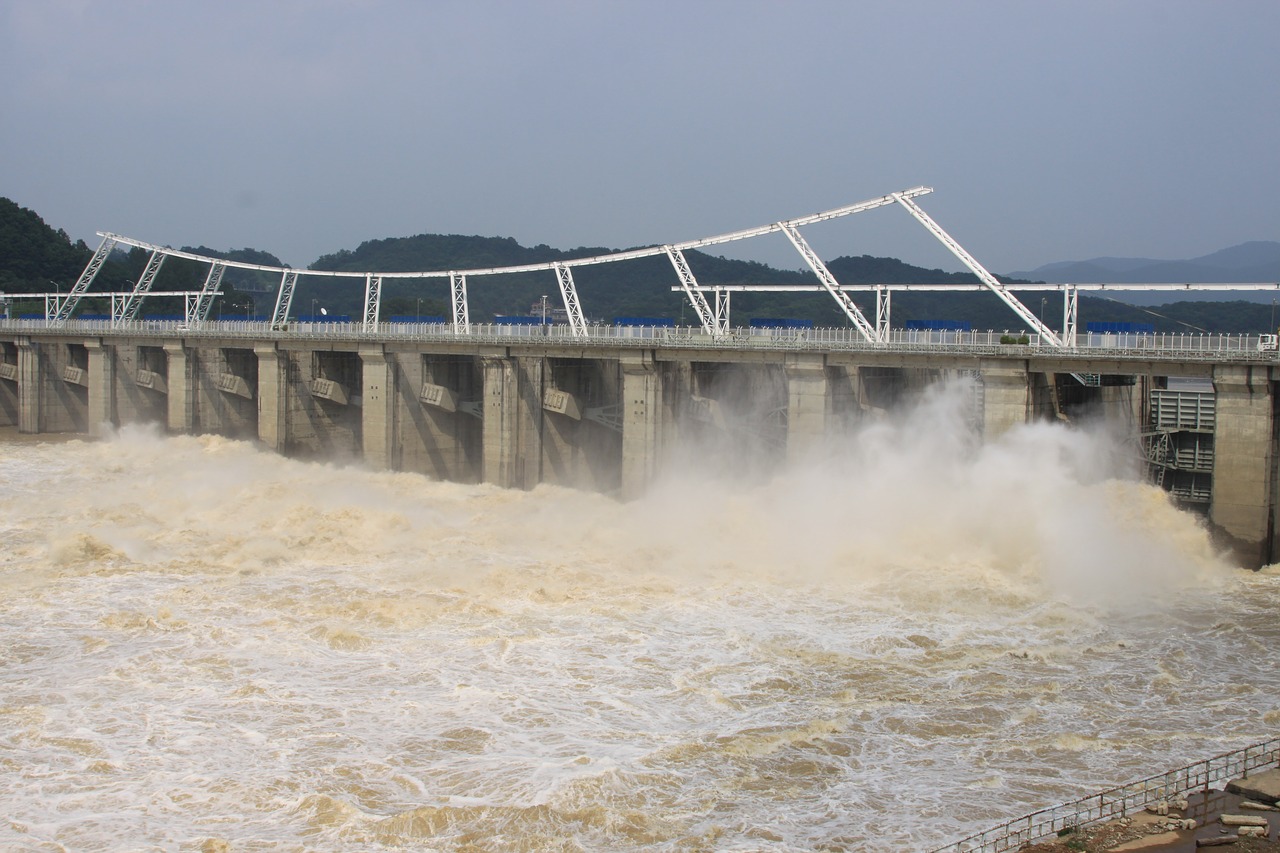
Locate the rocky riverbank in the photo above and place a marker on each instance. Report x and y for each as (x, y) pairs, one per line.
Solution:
(1243, 819)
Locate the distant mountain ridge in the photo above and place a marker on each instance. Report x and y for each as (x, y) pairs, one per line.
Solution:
(1254, 261)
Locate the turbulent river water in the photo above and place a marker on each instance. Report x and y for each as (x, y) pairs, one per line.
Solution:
(204, 646)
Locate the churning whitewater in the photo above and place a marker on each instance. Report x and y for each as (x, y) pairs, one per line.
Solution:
(205, 646)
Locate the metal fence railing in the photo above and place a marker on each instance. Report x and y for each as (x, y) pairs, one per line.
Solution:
(1118, 802)
(1172, 346)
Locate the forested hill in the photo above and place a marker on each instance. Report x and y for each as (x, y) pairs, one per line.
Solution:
(32, 254)
(34, 257)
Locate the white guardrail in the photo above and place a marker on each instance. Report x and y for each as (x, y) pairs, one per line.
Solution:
(1199, 346)
(1206, 775)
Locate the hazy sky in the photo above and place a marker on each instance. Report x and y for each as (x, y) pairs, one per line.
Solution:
(1049, 130)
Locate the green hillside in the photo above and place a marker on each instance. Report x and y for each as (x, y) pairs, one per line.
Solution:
(32, 254)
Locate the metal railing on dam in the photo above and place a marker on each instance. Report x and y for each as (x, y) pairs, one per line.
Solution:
(1205, 775)
(1174, 346)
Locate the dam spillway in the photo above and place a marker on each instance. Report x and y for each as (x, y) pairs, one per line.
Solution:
(524, 406)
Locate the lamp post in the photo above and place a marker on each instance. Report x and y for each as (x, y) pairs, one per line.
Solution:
(313, 310)
(418, 314)
(544, 309)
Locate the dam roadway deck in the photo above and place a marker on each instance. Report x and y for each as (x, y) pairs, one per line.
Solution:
(521, 405)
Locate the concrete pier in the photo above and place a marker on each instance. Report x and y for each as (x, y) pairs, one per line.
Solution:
(526, 435)
(100, 395)
(807, 403)
(1006, 396)
(642, 422)
(501, 418)
(30, 384)
(273, 425)
(377, 407)
(1243, 510)
(181, 382)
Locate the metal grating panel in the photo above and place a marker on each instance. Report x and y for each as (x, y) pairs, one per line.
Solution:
(1176, 410)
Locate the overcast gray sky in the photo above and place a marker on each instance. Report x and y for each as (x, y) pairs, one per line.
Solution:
(1049, 130)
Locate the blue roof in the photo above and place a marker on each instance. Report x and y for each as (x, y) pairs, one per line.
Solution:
(666, 322)
(940, 325)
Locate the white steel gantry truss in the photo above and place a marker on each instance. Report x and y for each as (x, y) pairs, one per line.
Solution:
(461, 312)
(572, 308)
(829, 283)
(212, 288)
(284, 298)
(977, 269)
(130, 305)
(710, 320)
(372, 300)
(714, 318)
(86, 278)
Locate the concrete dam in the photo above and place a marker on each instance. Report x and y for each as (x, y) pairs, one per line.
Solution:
(520, 406)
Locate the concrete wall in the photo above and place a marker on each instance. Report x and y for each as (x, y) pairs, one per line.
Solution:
(735, 416)
(675, 389)
(223, 384)
(846, 403)
(324, 420)
(9, 400)
(134, 384)
(47, 400)
(581, 398)
(442, 435)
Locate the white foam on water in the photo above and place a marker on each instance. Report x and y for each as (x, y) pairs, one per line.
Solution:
(890, 646)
